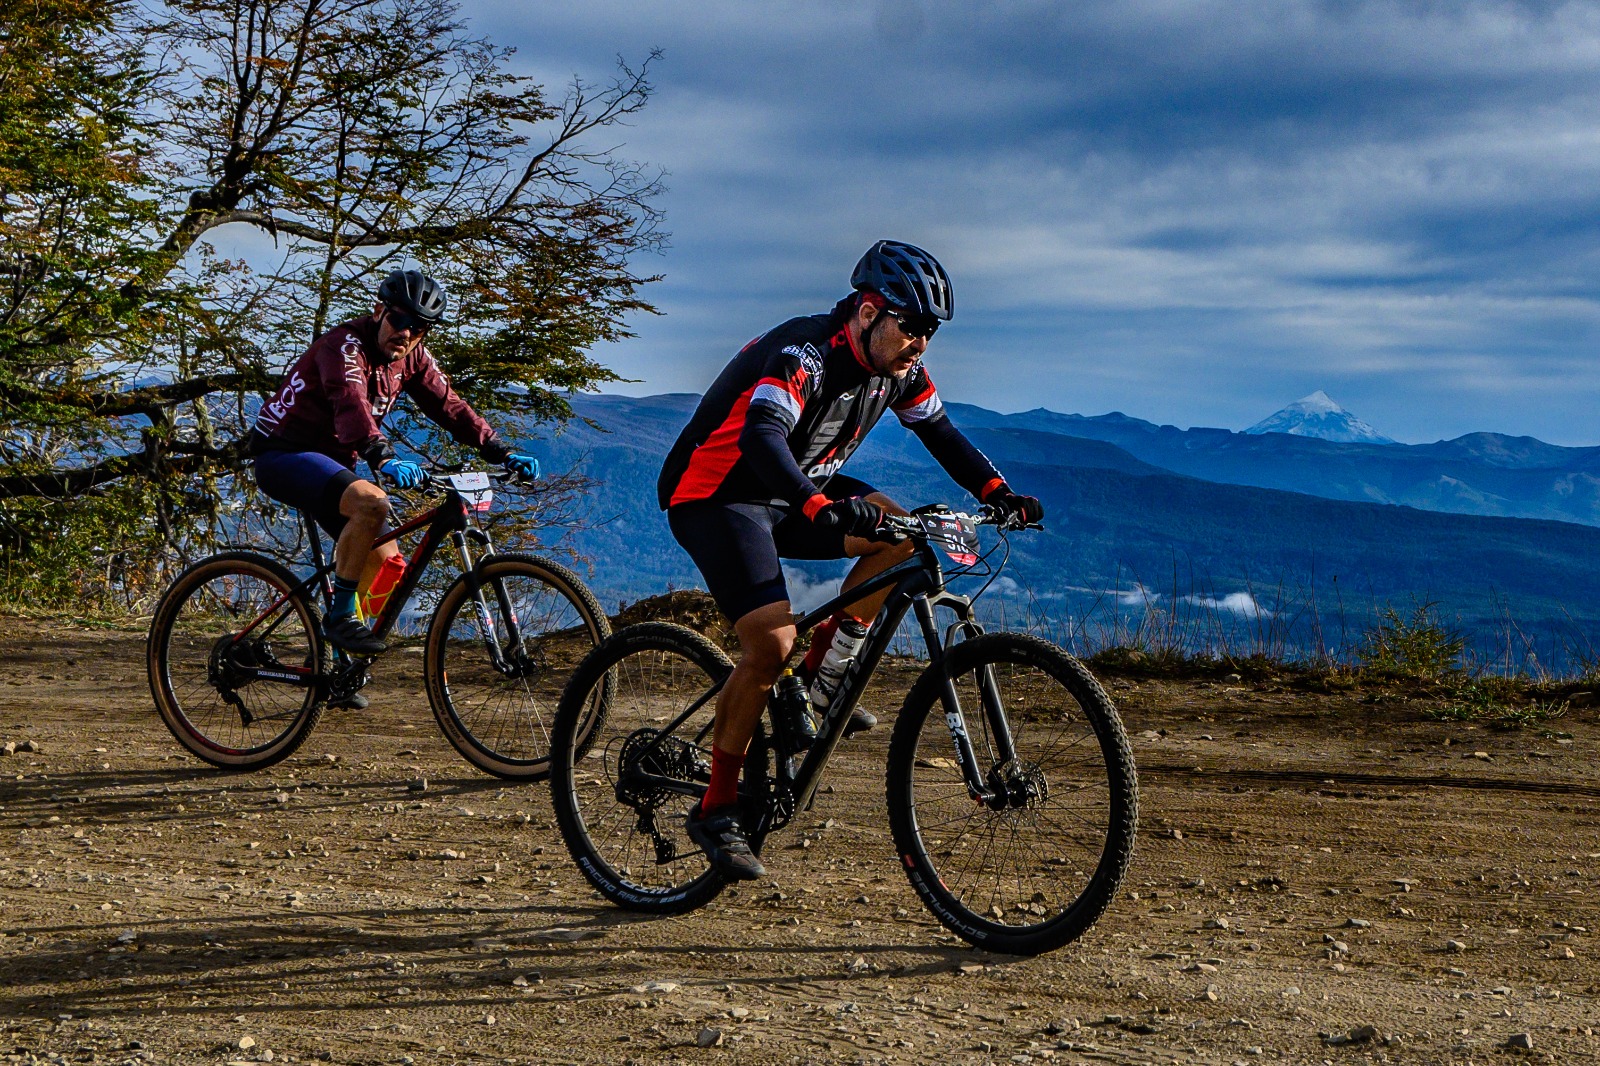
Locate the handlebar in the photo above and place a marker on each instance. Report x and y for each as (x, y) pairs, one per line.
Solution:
(902, 527)
(431, 480)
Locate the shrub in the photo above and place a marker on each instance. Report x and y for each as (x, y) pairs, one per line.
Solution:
(1419, 647)
(1488, 700)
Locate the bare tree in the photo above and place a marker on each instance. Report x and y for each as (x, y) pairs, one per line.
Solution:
(190, 192)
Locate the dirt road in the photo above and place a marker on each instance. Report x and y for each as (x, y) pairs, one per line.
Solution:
(1319, 879)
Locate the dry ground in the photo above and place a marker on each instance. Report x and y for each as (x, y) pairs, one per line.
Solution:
(1308, 866)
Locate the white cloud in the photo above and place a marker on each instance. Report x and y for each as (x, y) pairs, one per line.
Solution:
(807, 595)
(1239, 603)
(1138, 596)
(1202, 209)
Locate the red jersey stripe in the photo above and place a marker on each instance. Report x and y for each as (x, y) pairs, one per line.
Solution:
(711, 461)
(792, 386)
(918, 398)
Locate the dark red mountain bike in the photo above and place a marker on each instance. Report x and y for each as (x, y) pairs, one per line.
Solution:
(241, 673)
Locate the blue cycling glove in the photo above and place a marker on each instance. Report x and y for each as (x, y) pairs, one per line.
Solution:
(404, 475)
(525, 467)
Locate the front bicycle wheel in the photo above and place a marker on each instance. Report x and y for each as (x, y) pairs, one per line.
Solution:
(1031, 864)
(501, 647)
(236, 661)
(622, 781)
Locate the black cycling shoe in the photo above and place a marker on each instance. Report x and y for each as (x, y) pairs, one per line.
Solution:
(722, 838)
(860, 721)
(352, 635)
(355, 701)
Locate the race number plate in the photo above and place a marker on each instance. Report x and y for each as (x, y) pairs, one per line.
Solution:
(475, 488)
(957, 536)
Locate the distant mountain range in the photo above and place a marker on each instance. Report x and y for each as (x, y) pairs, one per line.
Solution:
(1477, 474)
(1250, 529)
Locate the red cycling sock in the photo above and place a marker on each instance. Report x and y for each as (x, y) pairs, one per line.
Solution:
(723, 791)
(821, 637)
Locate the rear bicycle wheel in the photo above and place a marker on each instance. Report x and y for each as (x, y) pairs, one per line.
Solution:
(1034, 867)
(239, 700)
(498, 714)
(620, 786)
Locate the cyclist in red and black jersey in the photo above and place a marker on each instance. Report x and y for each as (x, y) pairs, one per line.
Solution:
(330, 410)
(754, 478)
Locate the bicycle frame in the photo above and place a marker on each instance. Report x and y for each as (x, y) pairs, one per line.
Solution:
(451, 519)
(916, 585)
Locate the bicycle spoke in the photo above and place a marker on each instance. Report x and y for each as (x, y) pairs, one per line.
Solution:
(621, 798)
(496, 696)
(1019, 863)
(212, 636)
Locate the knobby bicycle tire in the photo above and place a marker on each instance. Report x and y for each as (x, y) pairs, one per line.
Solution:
(627, 839)
(1035, 874)
(250, 725)
(501, 723)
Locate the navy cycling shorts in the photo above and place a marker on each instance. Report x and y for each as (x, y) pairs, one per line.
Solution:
(737, 545)
(309, 481)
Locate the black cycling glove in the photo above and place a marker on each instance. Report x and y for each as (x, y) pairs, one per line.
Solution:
(857, 517)
(1017, 510)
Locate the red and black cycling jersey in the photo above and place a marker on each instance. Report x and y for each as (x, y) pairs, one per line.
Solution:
(337, 394)
(791, 407)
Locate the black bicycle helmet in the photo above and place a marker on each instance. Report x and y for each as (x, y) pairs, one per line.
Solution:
(909, 278)
(414, 292)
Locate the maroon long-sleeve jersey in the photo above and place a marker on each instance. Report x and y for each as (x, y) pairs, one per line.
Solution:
(336, 396)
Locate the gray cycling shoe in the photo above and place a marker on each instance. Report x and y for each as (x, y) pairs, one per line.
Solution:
(350, 634)
(722, 838)
(355, 702)
(860, 721)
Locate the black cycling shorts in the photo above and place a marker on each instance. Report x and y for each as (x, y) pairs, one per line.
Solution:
(737, 545)
(309, 481)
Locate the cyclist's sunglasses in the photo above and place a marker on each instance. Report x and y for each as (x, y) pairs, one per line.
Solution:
(915, 326)
(402, 321)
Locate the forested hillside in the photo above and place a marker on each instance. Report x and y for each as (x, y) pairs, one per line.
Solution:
(1230, 563)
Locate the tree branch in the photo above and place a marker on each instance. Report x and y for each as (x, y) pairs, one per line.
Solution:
(142, 401)
(60, 484)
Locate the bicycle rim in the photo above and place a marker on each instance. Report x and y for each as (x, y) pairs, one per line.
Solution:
(499, 716)
(201, 676)
(613, 788)
(1033, 869)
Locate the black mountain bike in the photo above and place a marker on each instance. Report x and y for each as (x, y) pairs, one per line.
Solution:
(241, 672)
(1012, 793)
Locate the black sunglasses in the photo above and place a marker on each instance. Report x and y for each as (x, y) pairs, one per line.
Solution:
(924, 326)
(403, 321)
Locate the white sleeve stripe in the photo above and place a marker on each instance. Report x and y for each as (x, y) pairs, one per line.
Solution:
(774, 396)
(922, 411)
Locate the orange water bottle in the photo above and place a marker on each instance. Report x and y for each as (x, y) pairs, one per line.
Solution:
(384, 582)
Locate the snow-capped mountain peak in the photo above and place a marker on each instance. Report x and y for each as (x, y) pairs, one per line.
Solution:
(1319, 416)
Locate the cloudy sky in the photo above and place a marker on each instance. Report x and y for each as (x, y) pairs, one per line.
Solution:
(1193, 212)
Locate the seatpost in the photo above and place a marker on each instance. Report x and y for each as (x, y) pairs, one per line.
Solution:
(318, 560)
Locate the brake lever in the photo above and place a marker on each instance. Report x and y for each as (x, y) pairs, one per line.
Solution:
(892, 530)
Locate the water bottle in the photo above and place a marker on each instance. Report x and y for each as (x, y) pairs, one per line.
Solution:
(792, 718)
(847, 640)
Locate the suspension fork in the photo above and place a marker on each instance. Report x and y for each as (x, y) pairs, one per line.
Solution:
(508, 614)
(955, 719)
(491, 638)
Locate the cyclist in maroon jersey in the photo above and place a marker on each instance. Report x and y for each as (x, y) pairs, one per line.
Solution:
(754, 478)
(330, 411)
